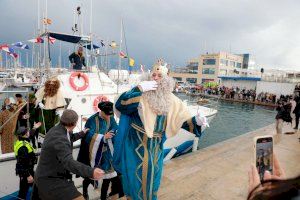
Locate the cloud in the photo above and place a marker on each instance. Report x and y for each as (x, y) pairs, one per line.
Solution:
(175, 30)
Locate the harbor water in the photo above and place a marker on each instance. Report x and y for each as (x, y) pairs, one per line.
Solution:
(233, 119)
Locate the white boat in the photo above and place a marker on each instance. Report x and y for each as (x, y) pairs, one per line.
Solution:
(83, 103)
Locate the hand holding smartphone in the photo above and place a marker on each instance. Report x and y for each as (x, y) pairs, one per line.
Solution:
(263, 154)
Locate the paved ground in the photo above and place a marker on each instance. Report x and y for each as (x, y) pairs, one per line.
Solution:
(220, 171)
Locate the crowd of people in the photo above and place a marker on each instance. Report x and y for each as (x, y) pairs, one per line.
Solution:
(236, 93)
(127, 155)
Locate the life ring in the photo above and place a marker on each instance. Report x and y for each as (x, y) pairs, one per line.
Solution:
(97, 100)
(79, 75)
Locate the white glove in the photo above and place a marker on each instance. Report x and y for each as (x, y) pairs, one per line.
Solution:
(201, 120)
(41, 105)
(59, 112)
(148, 85)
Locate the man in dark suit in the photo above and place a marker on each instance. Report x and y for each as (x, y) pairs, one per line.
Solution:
(53, 179)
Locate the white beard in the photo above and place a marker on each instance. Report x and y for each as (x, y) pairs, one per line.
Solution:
(159, 100)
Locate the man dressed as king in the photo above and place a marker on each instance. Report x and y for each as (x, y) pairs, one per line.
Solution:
(150, 113)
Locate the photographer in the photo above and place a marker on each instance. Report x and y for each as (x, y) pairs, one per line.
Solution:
(283, 114)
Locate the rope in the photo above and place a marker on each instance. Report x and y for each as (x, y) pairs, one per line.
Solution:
(17, 112)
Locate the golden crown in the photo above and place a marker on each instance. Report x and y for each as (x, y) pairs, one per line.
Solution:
(160, 67)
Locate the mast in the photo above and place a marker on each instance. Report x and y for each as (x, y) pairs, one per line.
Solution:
(60, 54)
(91, 21)
(120, 49)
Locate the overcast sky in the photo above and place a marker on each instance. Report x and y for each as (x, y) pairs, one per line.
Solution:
(175, 30)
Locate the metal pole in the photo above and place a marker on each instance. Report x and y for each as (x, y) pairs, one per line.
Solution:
(120, 49)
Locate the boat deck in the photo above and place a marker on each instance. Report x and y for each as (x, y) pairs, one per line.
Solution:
(220, 171)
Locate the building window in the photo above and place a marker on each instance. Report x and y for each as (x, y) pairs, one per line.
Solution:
(232, 63)
(238, 65)
(192, 68)
(209, 61)
(193, 64)
(224, 62)
(191, 80)
(223, 72)
(208, 71)
(178, 78)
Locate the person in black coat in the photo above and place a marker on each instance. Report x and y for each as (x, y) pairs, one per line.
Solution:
(297, 112)
(53, 178)
(77, 59)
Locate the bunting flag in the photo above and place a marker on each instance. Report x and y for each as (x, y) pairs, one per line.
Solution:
(122, 54)
(142, 68)
(102, 43)
(47, 21)
(52, 40)
(21, 45)
(4, 47)
(37, 40)
(131, 62)
(12, 54)
(113, 44)
(10, 51)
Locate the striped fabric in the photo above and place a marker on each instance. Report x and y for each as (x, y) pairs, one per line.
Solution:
(95, 151)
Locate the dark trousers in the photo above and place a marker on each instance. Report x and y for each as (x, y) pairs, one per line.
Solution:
(34, 137)
(24, 186)
(297, 120)
(116, 187)
(85, 184)
(35, 193)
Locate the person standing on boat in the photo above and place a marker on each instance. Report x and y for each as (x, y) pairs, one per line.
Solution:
(53, 178)
(51, 101)
(77, 59)
(102, 123)
(26, 159)
(150, 113)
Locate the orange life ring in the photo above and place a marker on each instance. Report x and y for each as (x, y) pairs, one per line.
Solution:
(79, 75)
(97, 100)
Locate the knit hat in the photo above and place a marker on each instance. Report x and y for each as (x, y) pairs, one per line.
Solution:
(106, 107)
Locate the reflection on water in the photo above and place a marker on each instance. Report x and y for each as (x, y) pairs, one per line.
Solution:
(234, 119)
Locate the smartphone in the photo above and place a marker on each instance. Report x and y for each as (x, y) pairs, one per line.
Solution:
(263, 154)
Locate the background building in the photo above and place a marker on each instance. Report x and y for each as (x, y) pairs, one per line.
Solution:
(208, 67)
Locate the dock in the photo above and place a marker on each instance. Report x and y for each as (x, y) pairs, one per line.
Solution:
(221, 170)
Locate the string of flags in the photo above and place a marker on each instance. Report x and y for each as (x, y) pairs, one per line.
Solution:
(9, 49)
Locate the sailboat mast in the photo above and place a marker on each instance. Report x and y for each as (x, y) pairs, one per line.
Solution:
(120, 49)
(91, 21)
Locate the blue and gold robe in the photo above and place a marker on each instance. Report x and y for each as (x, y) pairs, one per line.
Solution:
(99, 156)
(138, 157)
